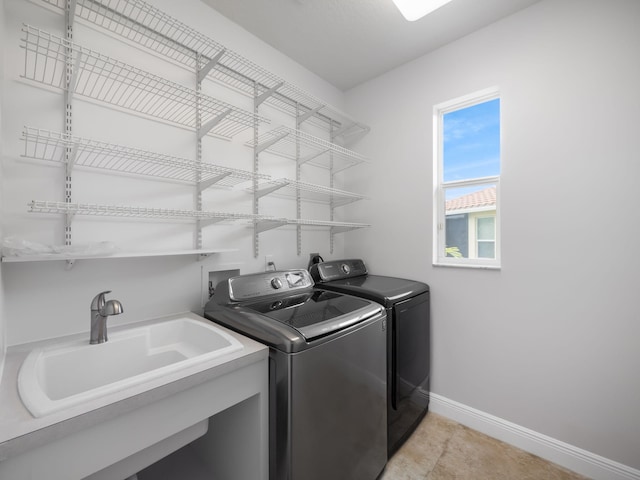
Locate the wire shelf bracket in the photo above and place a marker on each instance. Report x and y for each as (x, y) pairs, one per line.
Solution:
(204, 71)
(305, 116)
(261, 147)
(263, 191)
(209, 221)
(206, 128)
(205, 184)
(311, 156)
(267, 93)
(264, 225)
(71, 81)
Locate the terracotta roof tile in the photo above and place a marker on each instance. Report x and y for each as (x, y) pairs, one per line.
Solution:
(481, 198)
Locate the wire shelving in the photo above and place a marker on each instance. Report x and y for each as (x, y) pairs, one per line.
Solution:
(305, 148)
(335, 227)
(128, 211)
(153, 29)
(112, 82)
(71, 258)
(78, 71)
(52, 146)
(307, 191)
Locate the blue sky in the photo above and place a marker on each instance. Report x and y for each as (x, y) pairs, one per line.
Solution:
(472, 141)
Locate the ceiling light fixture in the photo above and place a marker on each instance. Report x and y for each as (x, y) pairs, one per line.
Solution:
(414, 9)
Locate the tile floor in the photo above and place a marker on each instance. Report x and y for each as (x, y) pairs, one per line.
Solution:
(441, 449)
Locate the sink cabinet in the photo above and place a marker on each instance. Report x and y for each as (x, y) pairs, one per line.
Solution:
(214, 419)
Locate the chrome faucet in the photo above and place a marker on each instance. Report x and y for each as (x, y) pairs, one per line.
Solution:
(100, 310)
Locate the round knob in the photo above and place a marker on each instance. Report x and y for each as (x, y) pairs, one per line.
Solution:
(345, 268)
(276, 283)
(276, 305)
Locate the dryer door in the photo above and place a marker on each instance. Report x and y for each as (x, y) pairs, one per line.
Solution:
(410, 366)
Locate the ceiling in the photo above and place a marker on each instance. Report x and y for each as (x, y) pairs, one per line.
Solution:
(347, 42)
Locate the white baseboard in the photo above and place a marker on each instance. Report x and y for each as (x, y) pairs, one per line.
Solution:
(574, 458)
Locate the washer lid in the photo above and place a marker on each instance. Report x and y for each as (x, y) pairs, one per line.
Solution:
(315, 313)
(378, 288)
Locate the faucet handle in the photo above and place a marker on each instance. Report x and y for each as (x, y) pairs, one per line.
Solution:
(98, 301)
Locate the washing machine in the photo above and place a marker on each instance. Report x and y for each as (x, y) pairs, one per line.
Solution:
(327, 374)
(408, 343)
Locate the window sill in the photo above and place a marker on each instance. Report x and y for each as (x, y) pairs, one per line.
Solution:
(460, 265)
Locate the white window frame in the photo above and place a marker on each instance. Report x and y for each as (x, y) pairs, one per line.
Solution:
(439, 185)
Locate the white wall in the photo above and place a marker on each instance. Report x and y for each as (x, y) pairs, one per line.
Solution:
(2, 314)
(549, 342)
(42, 299)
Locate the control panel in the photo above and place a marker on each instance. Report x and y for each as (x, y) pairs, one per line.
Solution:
(246, 287)
(337, 269)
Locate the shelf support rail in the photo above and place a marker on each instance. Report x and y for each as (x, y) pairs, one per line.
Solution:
(299, 119)
(70, 13)
(70, 76)
(199, 135)
(256, 170)
(332, 174)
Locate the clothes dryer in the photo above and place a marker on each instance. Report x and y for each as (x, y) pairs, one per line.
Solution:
(408, 338)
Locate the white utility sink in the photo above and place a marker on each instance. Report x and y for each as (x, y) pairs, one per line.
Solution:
(68, 374)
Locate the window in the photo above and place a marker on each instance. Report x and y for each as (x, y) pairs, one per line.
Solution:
(486, 237)
(467, 180)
